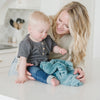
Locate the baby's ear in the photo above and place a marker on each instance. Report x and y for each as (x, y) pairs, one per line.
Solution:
(29, 28)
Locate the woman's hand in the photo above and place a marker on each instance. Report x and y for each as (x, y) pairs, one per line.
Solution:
(81, 75)
(28, 74)
(29, 64)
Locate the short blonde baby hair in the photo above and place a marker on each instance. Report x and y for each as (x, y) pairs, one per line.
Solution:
(38, 17)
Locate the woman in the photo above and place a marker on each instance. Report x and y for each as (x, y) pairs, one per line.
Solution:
(71, 30)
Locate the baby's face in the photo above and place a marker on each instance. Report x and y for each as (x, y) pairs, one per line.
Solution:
(39, 32)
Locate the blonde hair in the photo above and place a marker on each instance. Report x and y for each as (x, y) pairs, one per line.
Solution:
(79, 27)
(38, 17)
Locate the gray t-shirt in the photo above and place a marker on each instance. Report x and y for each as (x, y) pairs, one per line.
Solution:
(35, 52)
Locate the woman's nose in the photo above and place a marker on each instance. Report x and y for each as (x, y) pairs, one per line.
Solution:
(60, 25)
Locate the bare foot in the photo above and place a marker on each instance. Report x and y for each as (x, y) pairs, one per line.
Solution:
(54, 82)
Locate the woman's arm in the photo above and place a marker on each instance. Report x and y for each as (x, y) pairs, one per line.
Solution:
(80, 70)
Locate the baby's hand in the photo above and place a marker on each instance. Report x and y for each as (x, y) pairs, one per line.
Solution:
(62, 51)
(21, 79)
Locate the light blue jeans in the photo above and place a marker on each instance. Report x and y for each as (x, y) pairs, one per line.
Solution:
(35, 71)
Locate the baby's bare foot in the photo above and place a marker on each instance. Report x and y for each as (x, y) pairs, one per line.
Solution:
(54, 82)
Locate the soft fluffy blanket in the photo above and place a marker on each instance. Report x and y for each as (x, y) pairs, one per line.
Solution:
(62, 70)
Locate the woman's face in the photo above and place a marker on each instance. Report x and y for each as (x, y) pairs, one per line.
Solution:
(62, 26)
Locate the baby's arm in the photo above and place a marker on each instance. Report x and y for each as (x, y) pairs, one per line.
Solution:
(60, 50)
(21, 71)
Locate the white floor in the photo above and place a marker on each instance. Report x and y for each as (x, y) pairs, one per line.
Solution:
(33, 90)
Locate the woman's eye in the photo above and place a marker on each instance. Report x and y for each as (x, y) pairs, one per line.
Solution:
(41, 31)
(46, 32)
(66, 26)
(59, 20)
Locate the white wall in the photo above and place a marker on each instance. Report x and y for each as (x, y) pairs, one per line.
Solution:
(96, 35)
(1, 3)
(50, 7)
(24, 4)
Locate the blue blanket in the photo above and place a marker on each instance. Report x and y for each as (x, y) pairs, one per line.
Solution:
(62, 70)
